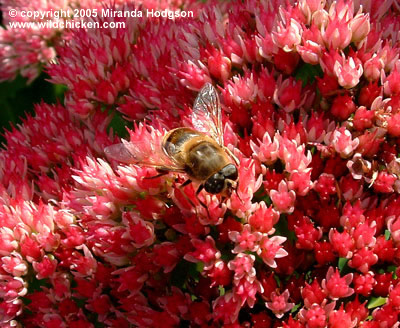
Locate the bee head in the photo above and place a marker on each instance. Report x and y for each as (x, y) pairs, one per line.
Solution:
(217, 182)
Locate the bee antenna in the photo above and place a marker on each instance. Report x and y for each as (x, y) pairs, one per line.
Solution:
(233, 156)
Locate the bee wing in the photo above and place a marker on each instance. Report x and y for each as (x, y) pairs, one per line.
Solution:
(120, 153)
(143, 154)
(206, 115)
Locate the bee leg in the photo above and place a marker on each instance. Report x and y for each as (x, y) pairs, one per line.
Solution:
(201, 187)
(160, 171)
(156, 176)
(187, 182)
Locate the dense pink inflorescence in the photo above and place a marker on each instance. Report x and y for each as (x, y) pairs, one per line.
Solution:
(24, 49)
(308, 238)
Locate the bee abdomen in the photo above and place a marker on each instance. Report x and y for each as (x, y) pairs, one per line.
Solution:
(176, 138)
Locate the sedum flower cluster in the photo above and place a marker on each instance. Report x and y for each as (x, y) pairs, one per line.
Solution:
(310, 235)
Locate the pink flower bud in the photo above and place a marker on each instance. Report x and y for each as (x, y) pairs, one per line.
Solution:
(340, 318)
(267, 152)
(300, 182)
(357, 310)
(289, 36)
(310, 52)
(394, 296)
(205, 251)
(343, 106)
(264, 218)
(324, 253)
(166, 256)
(341, 242)
(106, 92)
(394, 125)
(384, 249)
(270, 248)
(335, 286)
(360, 27)
(327, 85)
(313, 294)
(341, 141)
(325, 185)
(363, 259)
(351, 189)
(140, 231)
(391, 86)
(279, 303)
(193, 76)
(363, 118)
(369, 93)
(337, 35)
(46, 267)
(363, 235)
(369, 143)
(373, 67)
(283, 199)
(307, 235)
(286, 62)
(387, 315)
(315, 316)
(384, 182)
(219, 65)
(288, 94)
(348, 73)
(220, 274)
(226, 308)
(383, 283)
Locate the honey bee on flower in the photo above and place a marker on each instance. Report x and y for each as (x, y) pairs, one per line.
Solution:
(199, 153)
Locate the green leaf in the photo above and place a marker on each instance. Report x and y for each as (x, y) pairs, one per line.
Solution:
(142, 195)
(295, 308)
(36, 284)
(183, 271)
(80, 302)
(221, 290)
(313, 150)
(199, 267)
(391, 268)
(17, 99)
(376, 301)
(282, 226)
(118, 124)
(260, 195)
(291, 236)
(267, 200)
(387, 234)
(278, 281)
(59, 91)
(307, 73)
(342, 263)
(9, 89)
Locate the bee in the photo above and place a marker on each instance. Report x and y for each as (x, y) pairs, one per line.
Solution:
(199, 153)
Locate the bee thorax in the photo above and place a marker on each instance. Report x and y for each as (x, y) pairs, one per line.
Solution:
(204, 160)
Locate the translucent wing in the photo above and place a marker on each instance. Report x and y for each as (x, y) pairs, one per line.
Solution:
(119, 153)
(206, 115)
(142, 153)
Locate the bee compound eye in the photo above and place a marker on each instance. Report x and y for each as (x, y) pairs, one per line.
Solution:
(230, 172)
(169, 148)
(215, 184)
